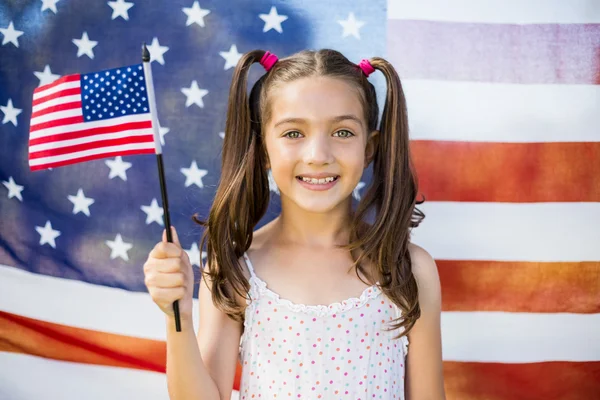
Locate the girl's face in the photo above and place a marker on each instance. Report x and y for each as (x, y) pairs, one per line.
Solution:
(317, 142)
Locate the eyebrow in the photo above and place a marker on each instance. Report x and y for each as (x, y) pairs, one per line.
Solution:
(339, 118)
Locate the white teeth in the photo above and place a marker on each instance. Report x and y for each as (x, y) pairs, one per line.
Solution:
(315, 181)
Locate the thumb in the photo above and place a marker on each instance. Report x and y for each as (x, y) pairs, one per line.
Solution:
(174, 236)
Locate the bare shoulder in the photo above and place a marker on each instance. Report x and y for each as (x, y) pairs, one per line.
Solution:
(424, 268)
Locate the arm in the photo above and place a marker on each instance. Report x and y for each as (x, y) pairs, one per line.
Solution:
(202, 367)
(424, 372)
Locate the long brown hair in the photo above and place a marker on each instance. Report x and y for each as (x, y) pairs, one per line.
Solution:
(243, 193)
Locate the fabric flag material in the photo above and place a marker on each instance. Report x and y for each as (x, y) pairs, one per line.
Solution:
(83, 117)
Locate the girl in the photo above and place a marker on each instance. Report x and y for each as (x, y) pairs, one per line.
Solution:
(323, 301)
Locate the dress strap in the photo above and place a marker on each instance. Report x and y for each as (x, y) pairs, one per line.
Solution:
(249, 264)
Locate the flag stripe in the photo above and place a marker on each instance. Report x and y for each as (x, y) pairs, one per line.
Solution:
(504, 12)
(496, 112)
(551, 172)
(67, 81)
(58, 122)
(547, 380)
(558, 287)
(91, 145)
(92, 154)
(85, 126)
(60, 107)
(55, 93)
(127, 126)
(543, 232)
(55, 102)
(57, 115)
(123, 136)
(491, 53)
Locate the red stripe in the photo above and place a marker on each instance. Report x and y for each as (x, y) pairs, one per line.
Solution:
(57, 122)
(89, 158)
(91, 132)
(66, 78)
(60, 107)
(61, 93)
(91, 145)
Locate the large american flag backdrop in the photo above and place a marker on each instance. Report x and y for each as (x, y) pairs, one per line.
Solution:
(504, 109)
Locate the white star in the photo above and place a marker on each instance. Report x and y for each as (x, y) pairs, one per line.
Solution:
(222, 135)
(120, 8)
(272, 185)
(194, 95)
(47, 234)
(351, 26)
(49, 5)
(162, 131)
(157, 51)
(118, 248)
(10, 113)
(46, 76)
(118, 167)
(195, 14)
(194, 254)
(14, 190)
(232, 57)
(356, 191)
(11, 35)
(81, 203)
(193, 175)
(85, 46)
(154, 213)
(272, 20)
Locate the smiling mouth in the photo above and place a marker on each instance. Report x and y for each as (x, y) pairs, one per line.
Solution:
(318, 181)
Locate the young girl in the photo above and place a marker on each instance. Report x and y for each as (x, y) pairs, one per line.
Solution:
(323, 301)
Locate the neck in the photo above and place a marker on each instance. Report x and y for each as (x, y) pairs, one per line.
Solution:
(298, 227)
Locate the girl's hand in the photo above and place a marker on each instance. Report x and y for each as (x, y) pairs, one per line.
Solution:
(169, 276)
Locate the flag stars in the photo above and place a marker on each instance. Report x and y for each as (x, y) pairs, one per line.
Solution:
(119, 248)
(154, 213)
(11, 35)
(14, 190)
(157, 51)
(46, 76)
(193, 175)
(120, 9)
(47, 234)
(232, 57)
(10, 113)
(194, 95)
(162, 130)
(195, 14)
(118, 168)
(356, 191)
(194, 254)
(273, 20)
(49, 5)
(81, 203)
(351, 26)
(85, 46)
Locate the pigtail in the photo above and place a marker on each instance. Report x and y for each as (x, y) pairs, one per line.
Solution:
(392, 195)
(242, 195)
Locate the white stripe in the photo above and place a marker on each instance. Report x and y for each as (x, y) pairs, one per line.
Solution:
(498, 11)
(520, 337)
(550, 232)
(90, 139)
(74, 112)
(89, 125)
(56, 102)
(493, 112)
(82, 305)
(92, 152)
(55, 89)
(26, 377)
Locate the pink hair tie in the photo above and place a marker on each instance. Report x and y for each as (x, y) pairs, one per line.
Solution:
(366, 67)
(268, 60)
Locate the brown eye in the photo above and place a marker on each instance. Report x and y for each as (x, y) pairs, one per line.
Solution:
(343, 133)
(292, 134)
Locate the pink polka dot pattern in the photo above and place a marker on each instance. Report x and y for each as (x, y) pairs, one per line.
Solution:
(339, 351)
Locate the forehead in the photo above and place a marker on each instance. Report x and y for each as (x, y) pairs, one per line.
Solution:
(315, 99)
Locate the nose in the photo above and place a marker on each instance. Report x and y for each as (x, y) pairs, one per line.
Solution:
(318, 150)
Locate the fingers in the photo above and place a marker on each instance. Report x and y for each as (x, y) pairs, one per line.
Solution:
(166, 250)
(164, 280)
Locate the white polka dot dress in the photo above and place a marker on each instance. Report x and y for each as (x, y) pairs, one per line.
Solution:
(340, 351)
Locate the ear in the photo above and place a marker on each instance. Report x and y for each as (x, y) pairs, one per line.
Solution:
(372, 144)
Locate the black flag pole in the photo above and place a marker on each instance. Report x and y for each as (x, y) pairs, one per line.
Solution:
(159, 160)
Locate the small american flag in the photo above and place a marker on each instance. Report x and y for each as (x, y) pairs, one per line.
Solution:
(89, 116)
